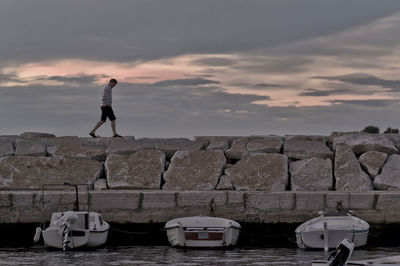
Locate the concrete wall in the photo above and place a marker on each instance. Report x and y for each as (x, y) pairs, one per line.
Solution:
(127, 206)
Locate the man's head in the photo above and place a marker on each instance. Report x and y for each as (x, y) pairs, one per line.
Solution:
(113, 82)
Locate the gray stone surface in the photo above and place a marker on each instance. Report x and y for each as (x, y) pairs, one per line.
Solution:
(303, 149)
(348, 173)
(390, 176)
(171, 145)
(100, 184)
(310, 201)
(128, 145)
(141, 170)
(311, 174)
(238, 149)
(395, 138)
(30, 172)
(372, 162)
(29, 135)
(268, 202)
(320, 138)
(266, 171)
(225, 183)
(74, 151)
(363, 142)
(194, 170)
(218, 144)
(268, 144)
(6, 148)
(29, 148)
(352, 201)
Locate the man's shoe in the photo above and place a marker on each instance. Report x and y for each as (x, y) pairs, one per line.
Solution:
(117, 136)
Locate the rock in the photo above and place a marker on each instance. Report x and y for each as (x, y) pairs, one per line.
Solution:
(6, 148)
(128, 146)
(363, 142)
(312, 174)
(348, 173)
(303, 149)
(74, 151)
(9, 138)
(194, 170)
(168, 146)
(320, 138)
(372, 162)
(225, 183)
(218, 144)
(141, 170)
(395, 138)
(390, 176)
(29, 148)
(29, 172)
(268, 144)
(172, 145)
(267, 171)
(100, 143)
(238, 149)
(30, 135)
(101, 184)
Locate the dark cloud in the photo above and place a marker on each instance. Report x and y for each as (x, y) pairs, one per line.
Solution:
(80, 80)
(318, 93)
(257, 86)
(214, 61)
(365, 79)
(185, 82)
(145, 30)
(369, 103)
(275, 65)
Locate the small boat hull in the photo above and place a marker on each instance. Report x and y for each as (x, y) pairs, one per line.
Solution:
(88, 231)
(310, 235)
(202, 232)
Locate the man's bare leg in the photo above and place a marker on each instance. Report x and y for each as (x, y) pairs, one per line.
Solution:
(92, 133)
(113, 127)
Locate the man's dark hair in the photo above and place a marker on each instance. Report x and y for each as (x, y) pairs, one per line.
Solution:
(113, 80)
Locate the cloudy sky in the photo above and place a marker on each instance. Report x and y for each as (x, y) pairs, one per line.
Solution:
(200, 67)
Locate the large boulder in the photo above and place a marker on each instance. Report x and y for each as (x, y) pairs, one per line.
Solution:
(6, 148)
(74, 151)
(171, 145)
(266, 171)
(363, 142)
(29, 148)
(372, 162)
(128, 145)
(390, 176)
(218, 144)
(194, 170)
(299, 149)
(348, 173)
(267, 144)
(238, 149)
(29, 172)
(141, 170)
(311, 174)
(30, 135)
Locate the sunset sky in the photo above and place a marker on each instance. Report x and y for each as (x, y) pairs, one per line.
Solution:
(200, 67)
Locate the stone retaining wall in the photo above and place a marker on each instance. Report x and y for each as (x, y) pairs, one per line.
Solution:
(340, 162)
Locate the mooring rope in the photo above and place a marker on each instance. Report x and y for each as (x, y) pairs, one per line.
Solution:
(136, 233)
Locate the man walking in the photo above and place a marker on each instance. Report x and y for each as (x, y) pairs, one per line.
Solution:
(106, 109)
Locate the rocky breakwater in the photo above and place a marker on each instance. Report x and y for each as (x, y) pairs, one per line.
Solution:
(254, 178)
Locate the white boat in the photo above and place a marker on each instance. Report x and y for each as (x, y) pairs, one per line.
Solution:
(338, 257)
(339, 225)
(73, 229)
(202, 231)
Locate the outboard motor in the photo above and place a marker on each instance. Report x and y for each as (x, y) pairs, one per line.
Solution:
(341, 254)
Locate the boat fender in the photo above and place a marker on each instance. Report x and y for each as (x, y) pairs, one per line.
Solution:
(38, 232)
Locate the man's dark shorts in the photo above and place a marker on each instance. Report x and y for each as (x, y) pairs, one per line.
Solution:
(107, 111)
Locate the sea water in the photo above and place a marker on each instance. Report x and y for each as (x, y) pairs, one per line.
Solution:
(165, 255)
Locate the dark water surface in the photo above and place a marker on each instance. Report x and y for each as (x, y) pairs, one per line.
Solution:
(155, 255)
